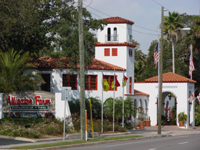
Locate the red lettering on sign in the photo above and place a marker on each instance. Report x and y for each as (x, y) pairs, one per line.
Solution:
(39, 101)
(18, 101)
(25, 101)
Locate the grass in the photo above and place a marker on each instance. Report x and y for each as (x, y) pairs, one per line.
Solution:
(74, 142)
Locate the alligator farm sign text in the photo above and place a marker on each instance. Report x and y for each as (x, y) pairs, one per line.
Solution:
(28, 101)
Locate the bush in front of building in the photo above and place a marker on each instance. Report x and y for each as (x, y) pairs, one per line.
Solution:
(33, 128)
(12, 129)
(23, 120)
(74, 106)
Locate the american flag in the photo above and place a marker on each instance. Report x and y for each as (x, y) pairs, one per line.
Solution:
(198, 97)
(191, 97)
(157, 54)
(191, 66)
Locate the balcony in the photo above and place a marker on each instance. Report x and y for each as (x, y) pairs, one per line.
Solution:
(111, 38)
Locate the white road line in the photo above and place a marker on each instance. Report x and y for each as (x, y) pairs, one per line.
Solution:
(153, 149)
(133, 142)
(183, 143)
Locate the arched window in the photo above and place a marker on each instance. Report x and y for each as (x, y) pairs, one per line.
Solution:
(135, 108)
(140, 103)
(146, 107)
(115, 34)
(108, 34)
(167, 104)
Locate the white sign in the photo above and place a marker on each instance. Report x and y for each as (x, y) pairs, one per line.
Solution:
(66, 93)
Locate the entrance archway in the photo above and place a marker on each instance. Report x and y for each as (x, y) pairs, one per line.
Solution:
(168, 109)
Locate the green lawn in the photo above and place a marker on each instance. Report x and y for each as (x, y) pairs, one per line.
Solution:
(73, 142)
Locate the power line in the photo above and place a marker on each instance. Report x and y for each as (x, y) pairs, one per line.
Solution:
(126, 28)
(160, 5)
(111, 16)
(89, 4)
(145, 28)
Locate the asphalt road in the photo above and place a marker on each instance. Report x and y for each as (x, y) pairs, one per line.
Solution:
(185, 142)
(9, 142)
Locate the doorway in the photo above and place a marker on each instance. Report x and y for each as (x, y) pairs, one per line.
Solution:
(46, 86)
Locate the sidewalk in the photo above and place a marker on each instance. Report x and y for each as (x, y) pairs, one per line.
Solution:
(148, 132)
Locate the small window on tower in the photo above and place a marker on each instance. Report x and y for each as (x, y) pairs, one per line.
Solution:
(107, 52)
(130, 52)
(114, 51)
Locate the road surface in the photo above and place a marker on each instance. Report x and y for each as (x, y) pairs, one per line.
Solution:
(185, 142)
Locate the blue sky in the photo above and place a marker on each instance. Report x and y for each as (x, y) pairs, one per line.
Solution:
(145, 14)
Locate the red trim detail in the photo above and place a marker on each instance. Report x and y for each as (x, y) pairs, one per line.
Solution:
(137, 108)
(170, 78)
(106, 51)
(67, 81)
(190, 103)
(130, 84)
(114, 51)
(89, 82)
(156, 103)
(117, 20)
(110, 78)
(147, 108)
(176, 102)
(130, 52)
(156, 125)
(115, 44)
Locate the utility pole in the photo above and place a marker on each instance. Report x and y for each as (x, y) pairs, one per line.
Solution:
(173, 62)
(82, 75)
(160, 74)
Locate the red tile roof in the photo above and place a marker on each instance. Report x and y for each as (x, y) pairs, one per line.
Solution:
(117, 20)
(50, 63)
(137, 93)
(115, 44)
(169, 78)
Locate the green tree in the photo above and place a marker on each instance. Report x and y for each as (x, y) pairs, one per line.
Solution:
(171, 25)
(194, 39)
(23, 27)
(66, 29)
(129, 108)
(46, 28)
(140, 62)
(149, 70)
(12, 66)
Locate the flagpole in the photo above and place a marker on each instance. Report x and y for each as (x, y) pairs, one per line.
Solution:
(192, 57)
(123, 100)
(102, 105)
(114, 104)
(158, 78)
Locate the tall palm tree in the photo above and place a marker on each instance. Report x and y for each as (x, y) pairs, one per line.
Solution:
(171, 26)
(12, 66)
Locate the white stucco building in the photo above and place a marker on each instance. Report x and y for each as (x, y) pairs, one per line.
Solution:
(181, 87)
(114, 54)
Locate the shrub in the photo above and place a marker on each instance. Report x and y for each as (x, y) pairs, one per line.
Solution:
(76, 121)
(182, 117)
(197, 120)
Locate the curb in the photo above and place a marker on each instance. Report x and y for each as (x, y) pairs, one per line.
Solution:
(98, 143)
(68, 137)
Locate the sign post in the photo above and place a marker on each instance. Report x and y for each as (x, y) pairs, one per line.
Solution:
(66, 91)
(86, 125)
